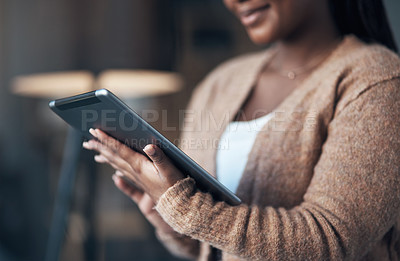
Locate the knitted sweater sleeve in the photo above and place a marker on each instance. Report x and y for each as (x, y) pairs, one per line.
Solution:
(351, 202)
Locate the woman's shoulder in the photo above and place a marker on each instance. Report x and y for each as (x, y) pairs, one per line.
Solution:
(360, 66)
(370, 62)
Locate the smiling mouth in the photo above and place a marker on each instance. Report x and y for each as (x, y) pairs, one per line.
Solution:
(250, 17)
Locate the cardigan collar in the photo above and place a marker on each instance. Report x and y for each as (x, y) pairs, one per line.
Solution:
(242, 84)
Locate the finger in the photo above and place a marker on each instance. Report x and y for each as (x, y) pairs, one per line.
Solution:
(129, 182)
(107, 155)
(134, 158)
(105, 139)
(144, 205)
(134, 193)
(100, 159)
(95, 145)
(130, 169)
(85, 145)
(126, 173)
(161, 162)
(123, 151)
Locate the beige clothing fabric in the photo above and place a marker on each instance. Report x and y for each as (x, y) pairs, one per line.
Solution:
(322, 179)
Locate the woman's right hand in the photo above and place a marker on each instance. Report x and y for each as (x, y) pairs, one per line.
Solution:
(144, 202)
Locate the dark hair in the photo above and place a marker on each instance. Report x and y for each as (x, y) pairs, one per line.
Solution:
(366, 19)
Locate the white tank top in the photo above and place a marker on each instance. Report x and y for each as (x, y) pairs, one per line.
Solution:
(234, 147)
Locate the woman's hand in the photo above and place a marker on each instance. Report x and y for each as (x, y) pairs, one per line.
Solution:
(144, 202)
(153, 176)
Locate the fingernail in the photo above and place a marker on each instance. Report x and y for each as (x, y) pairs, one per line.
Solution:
(114, 177)
(85, 144)
(91, 131)
(149, 150)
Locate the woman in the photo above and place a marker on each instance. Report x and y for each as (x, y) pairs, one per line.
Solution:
(319, 179)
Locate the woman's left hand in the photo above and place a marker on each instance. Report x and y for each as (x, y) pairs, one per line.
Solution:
(153, 176)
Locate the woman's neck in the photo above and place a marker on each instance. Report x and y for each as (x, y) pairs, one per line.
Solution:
(303, 54)
(312, 40)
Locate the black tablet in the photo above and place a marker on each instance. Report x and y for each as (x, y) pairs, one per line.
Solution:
(103, 110)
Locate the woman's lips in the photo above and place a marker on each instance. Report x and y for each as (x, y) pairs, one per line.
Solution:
(249, 17)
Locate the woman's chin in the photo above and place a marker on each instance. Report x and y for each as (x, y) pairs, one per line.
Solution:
(261, 37)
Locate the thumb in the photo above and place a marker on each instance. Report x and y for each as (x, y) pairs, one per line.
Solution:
(158, 157)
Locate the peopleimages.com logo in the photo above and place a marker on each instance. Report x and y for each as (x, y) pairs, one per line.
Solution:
(198, 121)
(108, 120)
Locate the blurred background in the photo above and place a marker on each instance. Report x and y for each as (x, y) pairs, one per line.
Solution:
(189, 37)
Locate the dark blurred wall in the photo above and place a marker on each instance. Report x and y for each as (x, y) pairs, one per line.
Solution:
(124, 34)
(393, 10)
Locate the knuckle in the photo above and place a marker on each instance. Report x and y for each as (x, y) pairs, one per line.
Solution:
(116, 146)
(160, 160)
(136, 166)
(124, 153)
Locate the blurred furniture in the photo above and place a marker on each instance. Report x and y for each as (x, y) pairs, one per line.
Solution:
(127, 84)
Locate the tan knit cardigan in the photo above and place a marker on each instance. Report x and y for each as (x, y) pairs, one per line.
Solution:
(322, 181)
